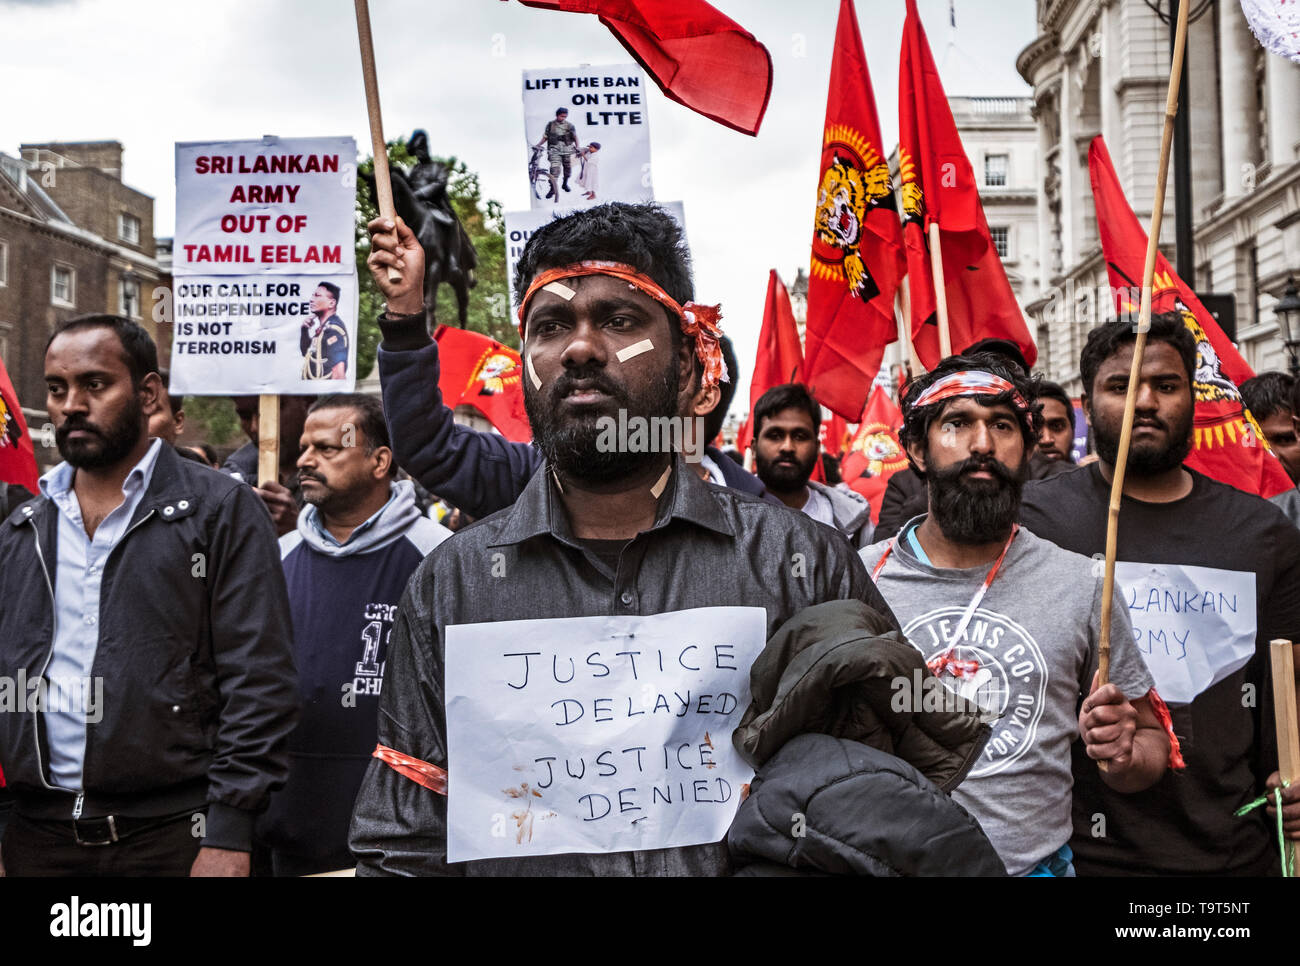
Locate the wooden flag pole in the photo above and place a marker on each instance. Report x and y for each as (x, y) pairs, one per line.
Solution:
(940, 291)
(378, 146)
(1144, 325)
(1288, 730)
(903, 312)
(268, 438)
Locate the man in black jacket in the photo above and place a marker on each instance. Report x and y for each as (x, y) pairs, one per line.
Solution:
(147, 625)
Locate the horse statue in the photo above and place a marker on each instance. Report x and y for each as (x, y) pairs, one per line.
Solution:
(420, 199)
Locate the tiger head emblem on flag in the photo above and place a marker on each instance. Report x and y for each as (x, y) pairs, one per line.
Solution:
(494, 372)
(913, 198)
(855, 179)
(881, 450)
(10, 432)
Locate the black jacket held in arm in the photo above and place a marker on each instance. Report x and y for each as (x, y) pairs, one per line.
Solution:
(195, 653)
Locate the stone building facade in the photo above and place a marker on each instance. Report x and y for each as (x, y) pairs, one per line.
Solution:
(74, 239)
(1101, 67)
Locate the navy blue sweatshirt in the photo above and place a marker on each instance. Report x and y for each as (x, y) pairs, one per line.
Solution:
(343, 599)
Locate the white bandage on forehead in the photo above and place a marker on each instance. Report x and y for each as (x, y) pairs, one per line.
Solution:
(632, 351)
(658, 488)
(560, 289)
(532, 373)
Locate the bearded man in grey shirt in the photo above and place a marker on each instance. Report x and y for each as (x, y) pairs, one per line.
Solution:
(606, 325)
(1009, 620)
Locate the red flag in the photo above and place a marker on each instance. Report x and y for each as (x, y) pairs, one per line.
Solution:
(857, 256)
(834, 435)
(875, 453)
(698, 56)
(780, 357)
(939, 187)
(17, 454)
(1230, 446)
(483, 373)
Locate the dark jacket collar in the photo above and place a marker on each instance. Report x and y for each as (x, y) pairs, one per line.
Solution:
(172, 486)
(539, 510)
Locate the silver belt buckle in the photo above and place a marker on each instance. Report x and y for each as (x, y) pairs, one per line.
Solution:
(107, 820)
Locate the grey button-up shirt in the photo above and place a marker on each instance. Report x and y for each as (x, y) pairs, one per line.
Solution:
(709, 547)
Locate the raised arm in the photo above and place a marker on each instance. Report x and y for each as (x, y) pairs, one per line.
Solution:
(476, 471)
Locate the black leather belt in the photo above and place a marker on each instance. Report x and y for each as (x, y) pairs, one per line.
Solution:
(110, 828)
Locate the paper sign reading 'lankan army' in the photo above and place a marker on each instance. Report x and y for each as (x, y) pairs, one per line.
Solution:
(265, 297)
(596, 734)
(1193, 625)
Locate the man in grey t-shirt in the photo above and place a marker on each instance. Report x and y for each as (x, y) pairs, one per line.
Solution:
(1010, 621)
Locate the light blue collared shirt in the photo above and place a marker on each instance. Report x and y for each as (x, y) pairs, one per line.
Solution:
(80, 571)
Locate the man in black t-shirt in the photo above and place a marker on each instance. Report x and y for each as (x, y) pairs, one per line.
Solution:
(1210, 574)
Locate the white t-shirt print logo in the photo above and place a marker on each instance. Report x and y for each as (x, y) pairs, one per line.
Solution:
(998, 665)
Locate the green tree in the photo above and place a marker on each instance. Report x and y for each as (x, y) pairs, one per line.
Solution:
(484, 221)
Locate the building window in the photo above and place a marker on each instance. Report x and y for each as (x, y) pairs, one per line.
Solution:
(1205, 277)
(63, 286)
(995, 170)
(128, 298)
(1001, 240)
(128, 228)
(4, 264)
(5, 327)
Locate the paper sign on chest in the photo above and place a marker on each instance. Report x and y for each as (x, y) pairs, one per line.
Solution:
(596, 734)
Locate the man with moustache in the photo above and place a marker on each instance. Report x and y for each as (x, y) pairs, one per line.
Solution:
(1009, 621)
(786, 449)
(145, 592)
(359, 539)
(1211, 575)
(595, 533)
(476, 471)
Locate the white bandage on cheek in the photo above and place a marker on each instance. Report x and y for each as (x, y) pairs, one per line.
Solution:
(560, 289)
(658, 488)
(532, 373)
(632, 351)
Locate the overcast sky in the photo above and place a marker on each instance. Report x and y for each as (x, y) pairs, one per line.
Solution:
(149, 73)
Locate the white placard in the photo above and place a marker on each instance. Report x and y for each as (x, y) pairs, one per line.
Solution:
(265, 297)
(236, 335)
(606, 106)
(596, 734)
(520, 226)
(277, 205)
(1193, 625)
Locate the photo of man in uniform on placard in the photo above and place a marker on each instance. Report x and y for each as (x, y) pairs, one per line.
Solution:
(323, 341)
(561, 141)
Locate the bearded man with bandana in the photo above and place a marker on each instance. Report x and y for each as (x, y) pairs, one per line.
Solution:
(1010, 621)
(607, 324)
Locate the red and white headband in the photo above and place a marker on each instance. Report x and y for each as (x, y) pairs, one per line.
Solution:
(700, 322)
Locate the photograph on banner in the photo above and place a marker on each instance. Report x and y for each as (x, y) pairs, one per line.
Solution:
(520, 226)
(239, 335)
(274, 205)
(596, 734)
(588, 137)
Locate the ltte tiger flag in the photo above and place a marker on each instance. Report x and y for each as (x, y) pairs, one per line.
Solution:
(480, 372)
(1229, 445)
(17, 454)
(857, 256)
(938, 187)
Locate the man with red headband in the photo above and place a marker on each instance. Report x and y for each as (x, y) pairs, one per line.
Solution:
(608, 325)
(1010, 621)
